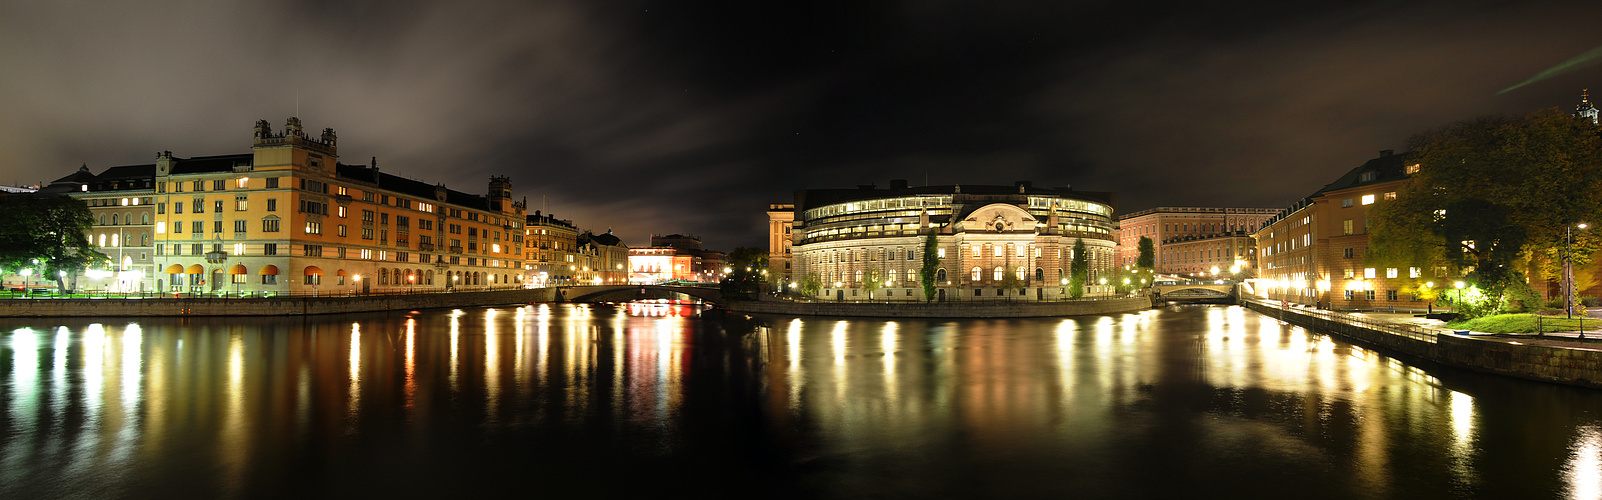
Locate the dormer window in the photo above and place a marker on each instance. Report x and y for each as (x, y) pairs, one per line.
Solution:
(1367, 176)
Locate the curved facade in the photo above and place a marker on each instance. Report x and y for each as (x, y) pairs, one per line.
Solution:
(844, 237)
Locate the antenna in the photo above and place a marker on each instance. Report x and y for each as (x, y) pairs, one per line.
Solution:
(297, 103)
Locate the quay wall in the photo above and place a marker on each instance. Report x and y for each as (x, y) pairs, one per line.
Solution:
(271, 306)
(1564, 365)
(997, 309)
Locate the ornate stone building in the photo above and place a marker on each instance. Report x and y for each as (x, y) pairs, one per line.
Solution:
(848, 238)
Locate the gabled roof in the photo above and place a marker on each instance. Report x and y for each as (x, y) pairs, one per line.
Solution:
(1386, 168)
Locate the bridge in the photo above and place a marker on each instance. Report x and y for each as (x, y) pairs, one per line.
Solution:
(625, 293)
(1195, 292)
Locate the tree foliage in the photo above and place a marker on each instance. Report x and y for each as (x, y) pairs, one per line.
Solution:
(1488, 194)
(872, 281)
(931, 263)
(1078, 270)
(810, 284)
(748, 269)
(1010, 281)
(50, 229)
(1148, 254)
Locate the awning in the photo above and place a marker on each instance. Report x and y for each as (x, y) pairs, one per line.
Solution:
(314, 271)
(238, 269)
(341, 272)
(175, 269)
(268, 270)
(196, 269)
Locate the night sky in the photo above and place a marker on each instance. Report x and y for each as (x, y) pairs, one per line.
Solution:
(668, 117)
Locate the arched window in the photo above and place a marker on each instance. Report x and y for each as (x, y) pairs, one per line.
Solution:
(383, 276)
(859, 276)
(997, 273)
(940, 274)
(127, 219)
(977, 273)
(1040, 274)
(144, 218)
(890, 279)
(102, 221)
(1019, 272)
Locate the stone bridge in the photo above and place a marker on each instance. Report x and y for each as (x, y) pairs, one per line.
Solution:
(1195, 292)
(625, 293)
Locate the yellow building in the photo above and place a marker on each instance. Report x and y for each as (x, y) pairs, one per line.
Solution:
(288, 218)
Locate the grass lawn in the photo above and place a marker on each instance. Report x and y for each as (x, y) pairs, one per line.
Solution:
(1523, 323)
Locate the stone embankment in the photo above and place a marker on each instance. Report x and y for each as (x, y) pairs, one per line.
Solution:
(996, 309)
(271, 306)
(1579, 366)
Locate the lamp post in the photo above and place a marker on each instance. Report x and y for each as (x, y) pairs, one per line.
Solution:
(1568, 270)
(1103, 283)
(1459, 286)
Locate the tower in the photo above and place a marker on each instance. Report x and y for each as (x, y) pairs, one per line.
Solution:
(500, 191)
(1585, 109)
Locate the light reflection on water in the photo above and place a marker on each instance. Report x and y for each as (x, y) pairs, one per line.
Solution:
(1218, 400)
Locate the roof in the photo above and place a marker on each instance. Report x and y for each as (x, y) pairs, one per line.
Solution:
(1387, 167)
(419, 189)
(604, 239)
(813, 198)
(209, 164)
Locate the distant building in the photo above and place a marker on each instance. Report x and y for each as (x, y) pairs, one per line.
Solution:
(1585, 109)
(844, 237)
(603, 259)
(1168, 226)
(1313, 252)
(675, 257)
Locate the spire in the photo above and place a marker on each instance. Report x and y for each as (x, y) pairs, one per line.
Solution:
(1585, 109)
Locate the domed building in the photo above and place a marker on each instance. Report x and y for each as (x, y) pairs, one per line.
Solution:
(844, 238)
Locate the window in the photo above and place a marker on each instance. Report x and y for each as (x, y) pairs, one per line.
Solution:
(269, 279)
(200, 186)
(1411, 169)
(342, 230)
(1367, 177)
(216, 226)
(1346, 226)
(239, 226)
(197, 227)
(1390, 272)
(1368, 199)
(272, 204)
(200, 206)
(239, 204)
(977, 274)
(1390, 295)
(272, 182)
(859, 274)
(314, 279)
(1346, 202)
(1349, 273)
(1346, 253)
(1348, 295)
(314, 228)
(313, 250)
(1391, 195)
(269, 249)
(161, 227)
(1413, 272)
(341, 211)
(367, 233)
(1368, 273)
(997, 273)
(269, 225)
(940, 253)
(1368, 295)
(196, 249)
(161, 208)
(216, 206)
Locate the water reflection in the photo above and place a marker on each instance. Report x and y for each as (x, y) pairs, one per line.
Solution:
(1220, 399)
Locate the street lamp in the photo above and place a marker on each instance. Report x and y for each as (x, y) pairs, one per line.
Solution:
(1103, 283)
(1568, 269)
(1459, 286)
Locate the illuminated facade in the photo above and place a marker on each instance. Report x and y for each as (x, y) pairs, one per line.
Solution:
(289, 218)
(1215, 256)
(1313, 252)
(1177, 225)
(551, 250)
(781, 221)
(675, 257)
(844, 238)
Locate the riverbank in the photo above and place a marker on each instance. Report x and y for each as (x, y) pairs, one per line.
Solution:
(1546, 362)
(997, 309)
(257, 306)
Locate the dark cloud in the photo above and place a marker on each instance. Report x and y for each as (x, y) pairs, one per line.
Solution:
(674, 117)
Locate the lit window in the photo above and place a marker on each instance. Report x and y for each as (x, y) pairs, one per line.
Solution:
(1413, 272)
(1412, 169)
(1391, 195)
(940, 252)
(1368, 273)
(239, 248)
(242, 182)
(997, 273)
(977, 274)
(161, 227)
(1368, 199)
(1390, 272)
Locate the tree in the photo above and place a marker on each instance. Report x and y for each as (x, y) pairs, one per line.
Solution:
(748, 269)
(1488, 194)
(810, 284)
(871, 282)
(1010, 281)
(1079, 270)
(931, 264)
(49, 229)
(1148, 254)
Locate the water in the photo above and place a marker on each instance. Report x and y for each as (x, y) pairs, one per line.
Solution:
(608, 401)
